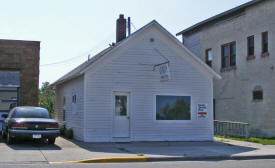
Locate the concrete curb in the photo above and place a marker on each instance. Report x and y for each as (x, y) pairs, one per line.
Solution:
(106, 160)
(159, 159)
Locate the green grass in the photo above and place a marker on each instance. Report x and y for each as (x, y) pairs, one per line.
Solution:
(140, 154)
(264, 141)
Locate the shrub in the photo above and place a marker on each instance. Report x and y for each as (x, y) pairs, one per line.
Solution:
(69, 133)
(62, 130)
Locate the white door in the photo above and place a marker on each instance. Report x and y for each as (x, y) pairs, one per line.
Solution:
(121, 115)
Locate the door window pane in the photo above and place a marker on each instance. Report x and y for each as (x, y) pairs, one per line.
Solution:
(121, 105)
(173, 107)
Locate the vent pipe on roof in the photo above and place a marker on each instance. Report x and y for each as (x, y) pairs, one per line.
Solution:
(120, 28)
(129, 26)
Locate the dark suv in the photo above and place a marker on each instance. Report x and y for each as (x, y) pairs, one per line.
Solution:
(29, 122)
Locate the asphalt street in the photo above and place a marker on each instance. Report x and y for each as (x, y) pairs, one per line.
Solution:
(174, 164)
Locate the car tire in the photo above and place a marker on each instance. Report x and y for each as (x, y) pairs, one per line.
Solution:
(9, 139)
(51, 140)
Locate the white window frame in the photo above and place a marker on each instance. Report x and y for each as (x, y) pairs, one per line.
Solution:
(172, 121)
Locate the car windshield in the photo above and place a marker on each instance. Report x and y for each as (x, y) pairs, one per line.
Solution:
(31, 113)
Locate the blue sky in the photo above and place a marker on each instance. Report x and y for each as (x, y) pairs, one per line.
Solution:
(69, 30)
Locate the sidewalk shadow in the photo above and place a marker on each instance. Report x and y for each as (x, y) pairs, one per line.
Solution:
(168, 149)
(22, 144)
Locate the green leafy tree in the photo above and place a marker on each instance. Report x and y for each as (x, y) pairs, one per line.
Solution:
(46, 97)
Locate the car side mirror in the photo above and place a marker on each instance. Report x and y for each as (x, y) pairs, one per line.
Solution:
(4, 116)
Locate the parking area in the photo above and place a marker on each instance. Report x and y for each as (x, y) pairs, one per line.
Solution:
(62, 150)
(29, 151)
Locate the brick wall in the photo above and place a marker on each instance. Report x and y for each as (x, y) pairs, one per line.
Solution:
(22, 56)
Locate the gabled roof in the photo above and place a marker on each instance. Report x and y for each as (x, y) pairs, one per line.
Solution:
(81, 69)
(220, 16)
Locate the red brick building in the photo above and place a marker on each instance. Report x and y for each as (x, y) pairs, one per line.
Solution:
(19, 73)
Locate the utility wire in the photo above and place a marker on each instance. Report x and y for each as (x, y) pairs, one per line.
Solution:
(64, 61)
(85, 53)
(81, 55)
(133, 25)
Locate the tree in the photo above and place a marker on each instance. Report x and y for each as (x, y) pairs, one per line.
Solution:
(46, 97)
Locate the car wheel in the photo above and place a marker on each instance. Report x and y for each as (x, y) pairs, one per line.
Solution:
(9, 139)
(51, 140)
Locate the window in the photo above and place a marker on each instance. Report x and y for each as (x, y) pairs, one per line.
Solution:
(64, 100)
(250, 48)
(265, 44)
(208, 57)
(229, 56)
(31, 113)
(257, 95)
(121, 105)
(173, 107)
(64, 115)
(74, 99)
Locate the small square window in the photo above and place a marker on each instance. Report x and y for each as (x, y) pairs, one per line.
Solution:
(258, 95)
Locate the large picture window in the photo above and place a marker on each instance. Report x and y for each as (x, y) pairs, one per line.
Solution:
(173, 107)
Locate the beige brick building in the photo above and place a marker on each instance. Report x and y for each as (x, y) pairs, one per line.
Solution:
(239, 45)
(19, 73)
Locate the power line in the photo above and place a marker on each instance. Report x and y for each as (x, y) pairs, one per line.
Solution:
(80, 55)
(133, 25)
(85, 53)
(64, 61)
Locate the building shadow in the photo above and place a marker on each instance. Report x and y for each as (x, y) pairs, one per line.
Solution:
(167, 149)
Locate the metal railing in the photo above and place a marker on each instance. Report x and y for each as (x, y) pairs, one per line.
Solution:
(228, 128)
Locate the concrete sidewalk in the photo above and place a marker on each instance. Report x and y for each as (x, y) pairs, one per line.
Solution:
(65, 150)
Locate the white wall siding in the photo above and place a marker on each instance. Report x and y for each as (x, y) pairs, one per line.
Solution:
(74, 119)
(130, 69)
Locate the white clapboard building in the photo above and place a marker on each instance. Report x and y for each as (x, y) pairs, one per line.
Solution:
(146, 87)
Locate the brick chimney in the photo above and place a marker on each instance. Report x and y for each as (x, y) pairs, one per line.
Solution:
(120, 28)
